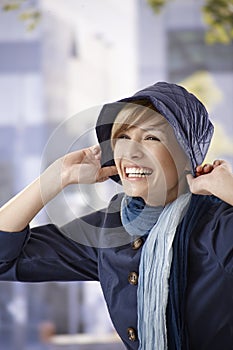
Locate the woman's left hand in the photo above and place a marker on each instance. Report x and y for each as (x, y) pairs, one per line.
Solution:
(213, 179)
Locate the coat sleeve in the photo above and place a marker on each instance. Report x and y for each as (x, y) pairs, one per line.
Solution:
(49, 253)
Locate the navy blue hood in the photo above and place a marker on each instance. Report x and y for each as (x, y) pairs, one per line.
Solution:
(186, 114)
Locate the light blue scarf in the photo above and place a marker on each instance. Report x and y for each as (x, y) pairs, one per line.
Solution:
(154, 269)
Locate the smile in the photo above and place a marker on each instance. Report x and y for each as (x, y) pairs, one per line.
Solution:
(137, 172)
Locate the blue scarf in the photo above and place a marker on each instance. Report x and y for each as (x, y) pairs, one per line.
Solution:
(156, 258)
(137, 217)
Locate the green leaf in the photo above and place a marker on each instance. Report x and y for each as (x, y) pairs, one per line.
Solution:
(11, 7)
(157, 5)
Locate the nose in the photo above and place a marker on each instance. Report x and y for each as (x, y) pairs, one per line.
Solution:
(133, 150)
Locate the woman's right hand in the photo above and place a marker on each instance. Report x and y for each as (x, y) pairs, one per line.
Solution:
(83, 167)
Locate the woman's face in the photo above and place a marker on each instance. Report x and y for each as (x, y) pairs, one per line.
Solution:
(150, 162)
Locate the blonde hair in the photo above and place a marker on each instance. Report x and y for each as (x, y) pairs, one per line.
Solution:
(132, 114)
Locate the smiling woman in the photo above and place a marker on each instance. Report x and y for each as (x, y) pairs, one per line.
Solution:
(162, 250)
(149, 160)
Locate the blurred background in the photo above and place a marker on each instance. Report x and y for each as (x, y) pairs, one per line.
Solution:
(60, 60)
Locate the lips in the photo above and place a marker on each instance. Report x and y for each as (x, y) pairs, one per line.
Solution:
(137, 172)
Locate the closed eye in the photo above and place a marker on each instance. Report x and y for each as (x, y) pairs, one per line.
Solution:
(123, 136)
(152, 138)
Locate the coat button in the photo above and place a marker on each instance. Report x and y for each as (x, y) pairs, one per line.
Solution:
(137, 243)
(133, 278)
(132, 335)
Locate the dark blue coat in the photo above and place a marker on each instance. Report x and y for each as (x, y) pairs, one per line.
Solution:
(107, 254)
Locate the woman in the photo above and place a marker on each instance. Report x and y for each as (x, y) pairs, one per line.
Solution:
(163, 256)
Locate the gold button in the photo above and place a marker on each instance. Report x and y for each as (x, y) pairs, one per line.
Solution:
(137, 243)
(132, 336)
(133, 278)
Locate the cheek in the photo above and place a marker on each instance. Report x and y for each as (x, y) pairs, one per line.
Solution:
(175, 155)
(119, 150)
(168, 166)
(117, 158)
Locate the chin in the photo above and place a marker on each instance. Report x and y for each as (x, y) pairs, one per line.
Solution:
(134, 192)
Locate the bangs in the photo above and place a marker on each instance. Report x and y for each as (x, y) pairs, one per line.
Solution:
(133, 114)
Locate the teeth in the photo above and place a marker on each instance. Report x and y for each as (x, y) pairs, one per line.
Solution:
(138, 172)
(137, 175)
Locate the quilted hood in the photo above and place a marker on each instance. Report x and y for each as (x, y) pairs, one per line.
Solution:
(186, 114)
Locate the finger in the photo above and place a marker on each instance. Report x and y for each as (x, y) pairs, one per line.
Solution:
(95, 149)
(223, 163)
(203, 169)
(199, 171)
(207, 168)
(106, 172)
(91, 155)
(199, 168)
(94, 152)
(103, 179)
(217, 162)
(198, 174)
